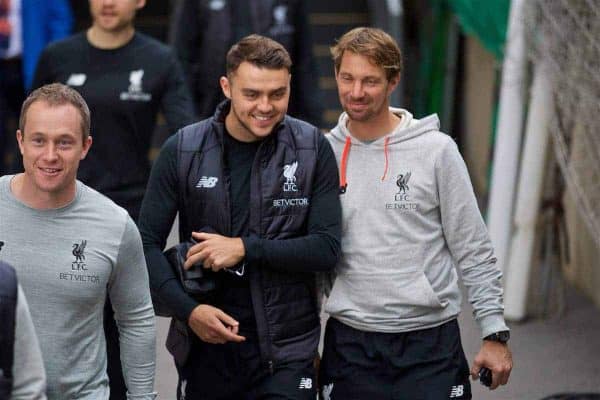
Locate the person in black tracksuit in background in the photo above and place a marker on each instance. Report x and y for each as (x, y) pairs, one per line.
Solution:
(202, 32)
(126, 78)
(258, 191)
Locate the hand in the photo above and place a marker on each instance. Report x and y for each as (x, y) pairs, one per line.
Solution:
(497, 357)
(215, 251)
(214, 326)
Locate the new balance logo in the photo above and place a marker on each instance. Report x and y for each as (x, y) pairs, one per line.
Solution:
(305, 383)
(457, 391)
(207, 182)
(183, 386)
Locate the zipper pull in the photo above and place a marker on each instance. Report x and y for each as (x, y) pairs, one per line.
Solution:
(271, 368)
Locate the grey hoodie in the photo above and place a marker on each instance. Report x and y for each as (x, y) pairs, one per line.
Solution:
(409, 219)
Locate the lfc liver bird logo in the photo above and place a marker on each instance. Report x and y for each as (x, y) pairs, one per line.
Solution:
(78, 249)
(402, 182)
(289, 172)
(135, 80)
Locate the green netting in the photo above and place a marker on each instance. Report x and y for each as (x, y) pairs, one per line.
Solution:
(432, 43)
(487, 20)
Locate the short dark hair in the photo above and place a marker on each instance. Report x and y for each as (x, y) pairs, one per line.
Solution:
(260, 51)
(57, 94)
(373, 43)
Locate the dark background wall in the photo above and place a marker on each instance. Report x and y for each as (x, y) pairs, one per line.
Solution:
(328, 20)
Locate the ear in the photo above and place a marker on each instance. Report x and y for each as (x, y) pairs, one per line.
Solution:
(140, 4)
(393, 83)
(20, 140)
(225, 86)
(86, 147)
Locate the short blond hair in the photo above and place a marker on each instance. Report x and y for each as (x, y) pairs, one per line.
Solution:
(373, 43)
(57, 94)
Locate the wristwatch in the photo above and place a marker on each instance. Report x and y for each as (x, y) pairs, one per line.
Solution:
(501, 336)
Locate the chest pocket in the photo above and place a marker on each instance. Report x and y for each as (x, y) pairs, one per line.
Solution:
(286, 190)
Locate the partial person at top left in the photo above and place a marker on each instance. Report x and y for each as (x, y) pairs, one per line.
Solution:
(26, 27)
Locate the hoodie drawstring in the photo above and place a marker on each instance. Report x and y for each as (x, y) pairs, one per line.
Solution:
(344, 162)
(343, 183)
(385, 153)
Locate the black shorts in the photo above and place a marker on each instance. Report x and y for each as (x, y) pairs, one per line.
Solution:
(235, 371)
(427, 364)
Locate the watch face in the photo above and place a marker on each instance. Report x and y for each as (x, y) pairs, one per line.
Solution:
(501, 336)
(504, 336)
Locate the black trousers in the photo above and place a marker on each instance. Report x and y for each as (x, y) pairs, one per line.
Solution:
(428, 364)
(234, 371)
(116, 381)
(118, 390)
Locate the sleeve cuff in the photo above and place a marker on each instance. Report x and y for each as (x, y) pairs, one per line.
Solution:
(491, 324)
(177, 300)
(253, 249)
(142, 396)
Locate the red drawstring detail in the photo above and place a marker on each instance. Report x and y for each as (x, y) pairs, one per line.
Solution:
(343, 183)
(385, 152)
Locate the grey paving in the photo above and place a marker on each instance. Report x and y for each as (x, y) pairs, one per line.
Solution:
(555, 355)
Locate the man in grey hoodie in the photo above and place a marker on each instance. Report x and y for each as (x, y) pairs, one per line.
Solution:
(410, 219)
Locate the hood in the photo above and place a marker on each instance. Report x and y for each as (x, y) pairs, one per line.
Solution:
(407, 129)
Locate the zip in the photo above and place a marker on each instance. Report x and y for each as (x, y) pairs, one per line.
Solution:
(262, 326)
(227, 184)
(271, 368)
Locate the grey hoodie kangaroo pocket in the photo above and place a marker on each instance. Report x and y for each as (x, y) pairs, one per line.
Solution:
(376, 298)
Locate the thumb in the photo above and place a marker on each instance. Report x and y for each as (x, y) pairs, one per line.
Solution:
(200, 236)
(475, 368)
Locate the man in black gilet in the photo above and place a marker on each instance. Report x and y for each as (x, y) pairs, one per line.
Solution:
(258, 191)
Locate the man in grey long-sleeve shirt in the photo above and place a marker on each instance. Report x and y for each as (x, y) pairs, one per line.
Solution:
(70, 245)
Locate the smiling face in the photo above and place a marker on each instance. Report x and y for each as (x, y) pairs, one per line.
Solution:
(259, 100)
(363, 88)
(114, 15)
(52, 146)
